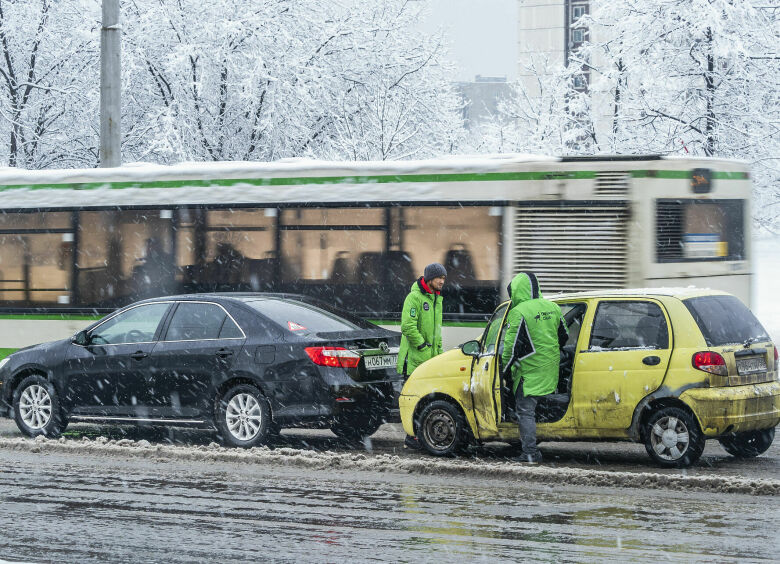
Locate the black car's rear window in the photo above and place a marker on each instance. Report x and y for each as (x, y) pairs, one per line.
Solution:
(302, 317)
(724, 320)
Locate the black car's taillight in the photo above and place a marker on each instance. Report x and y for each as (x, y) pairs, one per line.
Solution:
(336, 357)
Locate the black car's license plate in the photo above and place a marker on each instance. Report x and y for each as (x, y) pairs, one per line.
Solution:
(752, 365)
(380, 361)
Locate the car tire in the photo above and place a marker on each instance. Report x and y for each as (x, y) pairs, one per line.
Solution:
(37, 409)
(243, 417)
(672, 437)
(748, 444)
(356, 427)
(442, 429)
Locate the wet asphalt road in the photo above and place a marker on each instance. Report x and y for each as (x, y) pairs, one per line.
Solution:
(57, 507)
(65, 508)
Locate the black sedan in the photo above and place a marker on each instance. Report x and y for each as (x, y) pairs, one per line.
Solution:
(245, 364)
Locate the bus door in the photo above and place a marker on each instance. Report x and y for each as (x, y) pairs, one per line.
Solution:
(485, 378)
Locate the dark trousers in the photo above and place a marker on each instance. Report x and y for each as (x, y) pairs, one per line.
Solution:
(525, 411)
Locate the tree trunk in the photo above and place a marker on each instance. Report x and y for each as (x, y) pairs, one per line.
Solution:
(709, 80)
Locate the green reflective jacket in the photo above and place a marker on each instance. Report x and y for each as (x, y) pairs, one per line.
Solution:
(534, 337)
(421, 319)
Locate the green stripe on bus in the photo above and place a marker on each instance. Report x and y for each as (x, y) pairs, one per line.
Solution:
(480, 324)
(398, 178)
(293, 181)
(5, 352)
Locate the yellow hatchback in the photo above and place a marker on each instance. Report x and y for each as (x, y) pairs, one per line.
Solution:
(669, 368)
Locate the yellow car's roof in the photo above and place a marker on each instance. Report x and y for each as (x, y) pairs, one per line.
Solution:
(679, 293)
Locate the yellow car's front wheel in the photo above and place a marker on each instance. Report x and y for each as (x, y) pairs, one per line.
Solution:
(442, 429)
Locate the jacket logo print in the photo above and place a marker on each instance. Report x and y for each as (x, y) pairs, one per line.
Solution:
(544, 315)
(413, 312)
(426, 307)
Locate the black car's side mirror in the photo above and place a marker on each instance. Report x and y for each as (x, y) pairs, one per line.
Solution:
(470, 348)
(81, 338)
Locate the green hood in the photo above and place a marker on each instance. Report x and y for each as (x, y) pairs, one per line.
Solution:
(523, 287)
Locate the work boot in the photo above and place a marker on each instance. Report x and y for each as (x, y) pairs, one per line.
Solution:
(411, 443)
(529, 458)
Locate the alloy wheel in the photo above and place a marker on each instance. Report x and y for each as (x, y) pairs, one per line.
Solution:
(35, 406)
(243, 416)
(669, 438)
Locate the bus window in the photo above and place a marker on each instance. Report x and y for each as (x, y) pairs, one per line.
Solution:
(36, 260)
(239, 250)
(123, 256)
(35, 263)
(330, 245)
(466, 241)
(700, 230)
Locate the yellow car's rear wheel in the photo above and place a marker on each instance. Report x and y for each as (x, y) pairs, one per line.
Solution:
(749, 443)
(672, 437)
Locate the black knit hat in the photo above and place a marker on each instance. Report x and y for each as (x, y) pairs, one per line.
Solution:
(434, 270)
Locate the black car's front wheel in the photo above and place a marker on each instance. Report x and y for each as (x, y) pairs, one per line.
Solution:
(37, 408)
(243, 416)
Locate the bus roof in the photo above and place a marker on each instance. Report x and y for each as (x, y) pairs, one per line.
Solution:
(305, 180)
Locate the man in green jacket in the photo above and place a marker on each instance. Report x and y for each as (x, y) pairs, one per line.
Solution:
(421, 318)
(532, 348)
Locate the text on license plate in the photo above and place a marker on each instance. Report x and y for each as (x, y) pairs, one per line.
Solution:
(380, 361)
(751, 365)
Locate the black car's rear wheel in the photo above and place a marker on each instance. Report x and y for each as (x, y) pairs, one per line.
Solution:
(442, 428)
(748, 444)
(37, 408)
(243, 416)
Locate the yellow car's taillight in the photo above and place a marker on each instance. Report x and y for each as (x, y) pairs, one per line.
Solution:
(709, 361)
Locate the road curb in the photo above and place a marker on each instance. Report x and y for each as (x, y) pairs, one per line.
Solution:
(391, 463)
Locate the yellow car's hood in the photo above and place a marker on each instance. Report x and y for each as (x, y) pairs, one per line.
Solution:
(452, 366)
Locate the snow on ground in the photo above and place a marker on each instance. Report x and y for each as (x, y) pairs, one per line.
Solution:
(301, 458)
(766, 283)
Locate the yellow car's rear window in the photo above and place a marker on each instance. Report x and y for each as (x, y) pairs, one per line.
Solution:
(724, 320)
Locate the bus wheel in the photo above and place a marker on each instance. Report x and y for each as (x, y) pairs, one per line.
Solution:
(442, 429)
(748, 444)
(672, 438)
(37, 408)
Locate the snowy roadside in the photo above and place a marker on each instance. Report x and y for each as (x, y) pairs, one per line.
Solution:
(766, 301)
(302, 458)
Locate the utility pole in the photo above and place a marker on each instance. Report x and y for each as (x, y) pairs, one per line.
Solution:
(110, 86)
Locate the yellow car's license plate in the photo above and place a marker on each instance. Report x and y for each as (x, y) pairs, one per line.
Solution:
(751, 365)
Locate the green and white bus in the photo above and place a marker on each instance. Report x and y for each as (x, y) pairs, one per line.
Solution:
(75, 244)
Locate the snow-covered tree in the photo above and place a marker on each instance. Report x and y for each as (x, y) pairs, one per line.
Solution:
(234, 79)
(550, 116)
(267, 79)
(698, 77)
(694, 77)
(49, 66)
